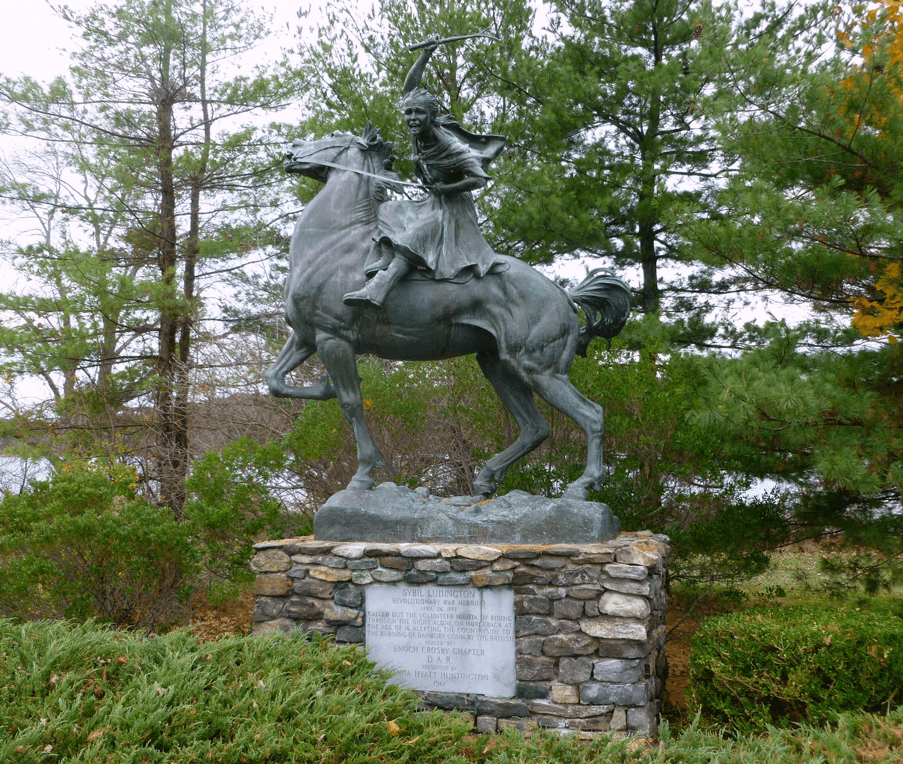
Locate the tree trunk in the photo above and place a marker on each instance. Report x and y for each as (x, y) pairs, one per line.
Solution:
(192, 250)
(171, 443)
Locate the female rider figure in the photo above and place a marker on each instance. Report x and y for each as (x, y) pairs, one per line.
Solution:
(439, 234)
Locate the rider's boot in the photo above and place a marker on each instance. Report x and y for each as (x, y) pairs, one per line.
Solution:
(375, 290)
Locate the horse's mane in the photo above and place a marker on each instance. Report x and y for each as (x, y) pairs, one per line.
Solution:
(388, 180)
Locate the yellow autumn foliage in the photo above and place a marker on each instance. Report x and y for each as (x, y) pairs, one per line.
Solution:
(878, 317)
(883, 316)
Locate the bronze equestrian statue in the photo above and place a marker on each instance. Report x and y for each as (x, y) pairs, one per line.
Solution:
(416, 281)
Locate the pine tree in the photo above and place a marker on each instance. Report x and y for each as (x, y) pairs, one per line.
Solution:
(813, 208)
(618, 139)
(810, 107)
(158, 181)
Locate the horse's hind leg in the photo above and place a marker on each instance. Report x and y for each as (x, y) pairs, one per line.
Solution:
(518, 399)
(338, 357)
(292, 355)
(558, 391)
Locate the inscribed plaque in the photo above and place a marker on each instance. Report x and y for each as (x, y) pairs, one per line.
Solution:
(445, 639)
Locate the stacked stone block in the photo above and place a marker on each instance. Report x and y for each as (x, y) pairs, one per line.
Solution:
(589, 619)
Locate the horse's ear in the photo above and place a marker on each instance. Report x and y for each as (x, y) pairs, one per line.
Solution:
(370, 134)
(372, 138)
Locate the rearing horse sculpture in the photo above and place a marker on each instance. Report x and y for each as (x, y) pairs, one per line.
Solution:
(522, 327)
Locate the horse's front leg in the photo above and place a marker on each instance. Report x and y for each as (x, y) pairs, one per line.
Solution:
(292, 355)
(338, 357)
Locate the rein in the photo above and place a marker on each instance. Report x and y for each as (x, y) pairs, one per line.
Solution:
(370, 174)
(323, 162)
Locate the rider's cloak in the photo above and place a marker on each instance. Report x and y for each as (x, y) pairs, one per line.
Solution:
(441, 234)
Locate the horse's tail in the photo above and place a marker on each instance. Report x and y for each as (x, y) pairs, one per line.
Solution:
(605, 300)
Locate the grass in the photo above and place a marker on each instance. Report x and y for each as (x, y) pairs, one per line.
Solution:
(83, 693)
(794, 577)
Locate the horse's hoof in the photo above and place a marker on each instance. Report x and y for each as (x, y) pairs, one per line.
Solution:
(360, 484)
(482, 491)
(575, 493)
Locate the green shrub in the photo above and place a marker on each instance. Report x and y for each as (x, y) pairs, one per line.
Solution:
(84, 544)
(77, 693)
(783, 665)
(230, 507)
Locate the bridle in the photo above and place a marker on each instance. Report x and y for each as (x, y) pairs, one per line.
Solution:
(344, 147)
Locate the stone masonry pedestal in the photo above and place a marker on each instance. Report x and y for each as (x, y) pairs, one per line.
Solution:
(587, 631)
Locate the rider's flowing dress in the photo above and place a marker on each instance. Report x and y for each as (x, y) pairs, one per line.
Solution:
(440, 233)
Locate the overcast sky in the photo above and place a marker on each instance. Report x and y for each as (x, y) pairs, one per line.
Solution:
(34, 36)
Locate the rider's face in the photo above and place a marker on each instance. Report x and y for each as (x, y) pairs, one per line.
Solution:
(418, 118)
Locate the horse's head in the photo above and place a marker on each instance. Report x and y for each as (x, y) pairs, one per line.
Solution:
(307, 157)
(315, 158)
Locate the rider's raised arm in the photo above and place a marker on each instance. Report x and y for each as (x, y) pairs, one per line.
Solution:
(412, 81)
